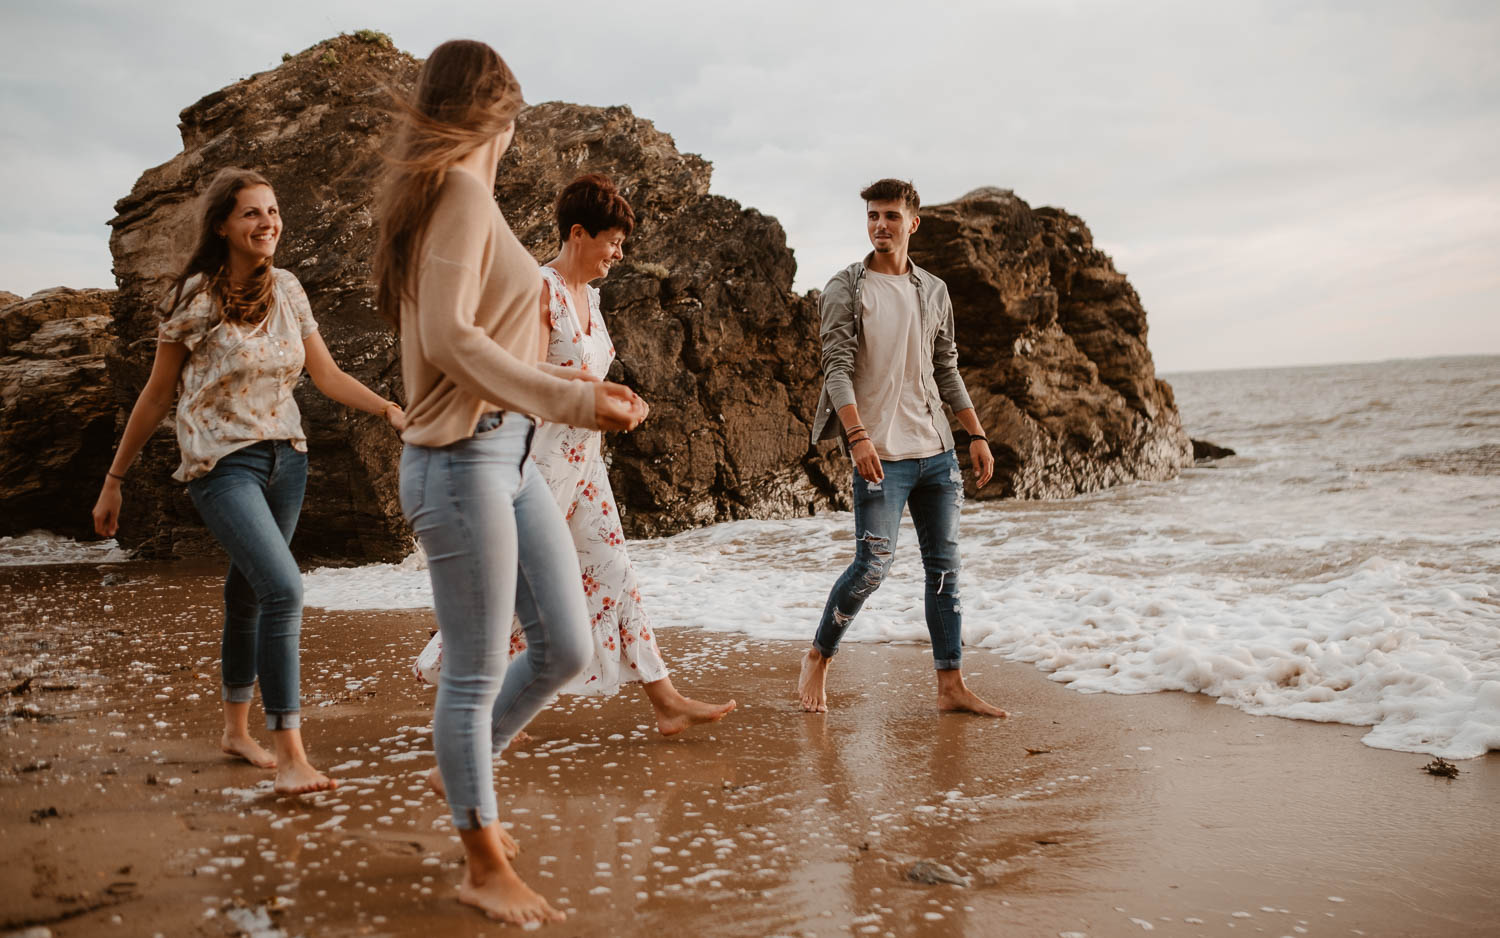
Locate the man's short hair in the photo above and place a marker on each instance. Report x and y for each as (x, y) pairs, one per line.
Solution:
(885, 190)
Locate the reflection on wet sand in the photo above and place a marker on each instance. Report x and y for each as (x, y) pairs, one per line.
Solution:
(1082, 814)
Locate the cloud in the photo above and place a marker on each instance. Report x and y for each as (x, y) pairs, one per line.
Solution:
(1255, 168)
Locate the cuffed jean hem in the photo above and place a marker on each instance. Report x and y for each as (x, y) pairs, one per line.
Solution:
(284, 721)
(469, 819)
(947, 664)
(238, 693)
(825, 652)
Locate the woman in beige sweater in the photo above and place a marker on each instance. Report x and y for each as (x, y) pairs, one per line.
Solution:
(466, 297)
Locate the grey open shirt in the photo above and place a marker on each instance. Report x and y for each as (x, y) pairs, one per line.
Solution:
(840, 311)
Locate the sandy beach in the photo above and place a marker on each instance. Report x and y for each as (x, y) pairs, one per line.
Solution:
(1081, 815)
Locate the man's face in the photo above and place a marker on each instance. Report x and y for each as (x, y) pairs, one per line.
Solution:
(890, 224)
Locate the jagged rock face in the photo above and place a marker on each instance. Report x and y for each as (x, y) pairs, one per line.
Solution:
(1052, 345)
(57, 417)
(313, 127)
(704, 322)
(703, 315)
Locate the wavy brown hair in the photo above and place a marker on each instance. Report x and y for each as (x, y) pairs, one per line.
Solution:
(465, 96)
(248, 302)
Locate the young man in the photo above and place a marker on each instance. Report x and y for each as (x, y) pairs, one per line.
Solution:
(889, 365)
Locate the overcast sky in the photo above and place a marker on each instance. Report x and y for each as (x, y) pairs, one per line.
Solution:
(1283, 182)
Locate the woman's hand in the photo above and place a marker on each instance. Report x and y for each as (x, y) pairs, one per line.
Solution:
(107, 508)
(394, 416)
(867, 461)
(616, 407)
(983, 461)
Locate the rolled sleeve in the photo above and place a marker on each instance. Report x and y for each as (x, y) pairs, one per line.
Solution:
(840, 337)
(945, 357)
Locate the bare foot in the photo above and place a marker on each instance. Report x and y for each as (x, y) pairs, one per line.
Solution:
(507, 843)
(300, 778)
(503, 896)
(810, 684)
(959, 699)
(675, 716)
(248, 749)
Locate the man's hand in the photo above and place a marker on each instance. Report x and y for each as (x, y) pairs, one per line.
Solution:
(983, 461)
(866, 461)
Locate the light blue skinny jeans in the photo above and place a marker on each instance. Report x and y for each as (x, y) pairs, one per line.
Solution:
(934, 491)
(497, 549)
(250, 500)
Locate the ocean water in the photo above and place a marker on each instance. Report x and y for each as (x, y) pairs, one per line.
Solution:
(1344, 566)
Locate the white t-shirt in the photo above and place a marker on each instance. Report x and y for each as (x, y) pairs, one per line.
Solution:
(888, 371)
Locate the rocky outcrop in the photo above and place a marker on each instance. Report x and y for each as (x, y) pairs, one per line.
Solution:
(1052, 345)
(703, 319)
(1204, 451)
(313, 126)
(702, 315)
(57, 417)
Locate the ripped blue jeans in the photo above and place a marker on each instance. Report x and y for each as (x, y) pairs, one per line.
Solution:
(934, 491)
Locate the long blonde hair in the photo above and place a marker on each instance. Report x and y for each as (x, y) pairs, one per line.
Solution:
(466, 96)
(248, 302)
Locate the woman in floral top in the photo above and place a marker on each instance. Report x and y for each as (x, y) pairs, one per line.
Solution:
(593, 221)
(239, 334)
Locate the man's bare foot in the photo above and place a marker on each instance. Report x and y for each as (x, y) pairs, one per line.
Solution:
(677, 715)
(248, 749)
(507, 843)
(505, 897)
(300, 778)
(811, 682)
(954, 696)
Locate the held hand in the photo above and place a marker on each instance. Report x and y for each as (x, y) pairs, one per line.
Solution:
(983, 462)
(584, 375)
(616, 407)
(394, 416)
(107, 509)
(867, 462)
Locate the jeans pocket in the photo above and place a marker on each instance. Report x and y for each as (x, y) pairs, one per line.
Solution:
(413, 479)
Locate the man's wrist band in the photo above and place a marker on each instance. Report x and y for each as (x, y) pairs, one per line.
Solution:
(118, 478)
(978, 436)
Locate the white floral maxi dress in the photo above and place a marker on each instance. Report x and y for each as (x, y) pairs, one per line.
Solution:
(571, 460)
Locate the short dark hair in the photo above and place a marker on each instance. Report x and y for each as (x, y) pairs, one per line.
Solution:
(884, 190)
(593, 201)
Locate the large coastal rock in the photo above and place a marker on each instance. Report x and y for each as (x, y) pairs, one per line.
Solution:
(702, 315)
(1053, 338)
(57, 417)
(313, 126)
(1052, 345)
(704, 322)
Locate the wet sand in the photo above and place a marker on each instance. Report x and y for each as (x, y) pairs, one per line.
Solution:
(1089, 815)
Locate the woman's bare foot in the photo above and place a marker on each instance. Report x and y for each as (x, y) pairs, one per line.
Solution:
(675, 713)
(507, 843)
(492, 886)
(248, 749)
(811, 682)
(294, 774)
(300, 778)
(954, 696)
(503, 896)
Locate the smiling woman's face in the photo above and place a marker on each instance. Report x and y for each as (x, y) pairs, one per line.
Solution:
(253, 227)
(599, 252)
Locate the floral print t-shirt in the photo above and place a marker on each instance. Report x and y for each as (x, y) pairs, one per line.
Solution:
(236, 386)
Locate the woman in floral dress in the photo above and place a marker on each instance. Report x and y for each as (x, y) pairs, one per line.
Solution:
(593, 221)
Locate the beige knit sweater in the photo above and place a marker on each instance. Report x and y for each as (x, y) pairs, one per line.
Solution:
(469, 343)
